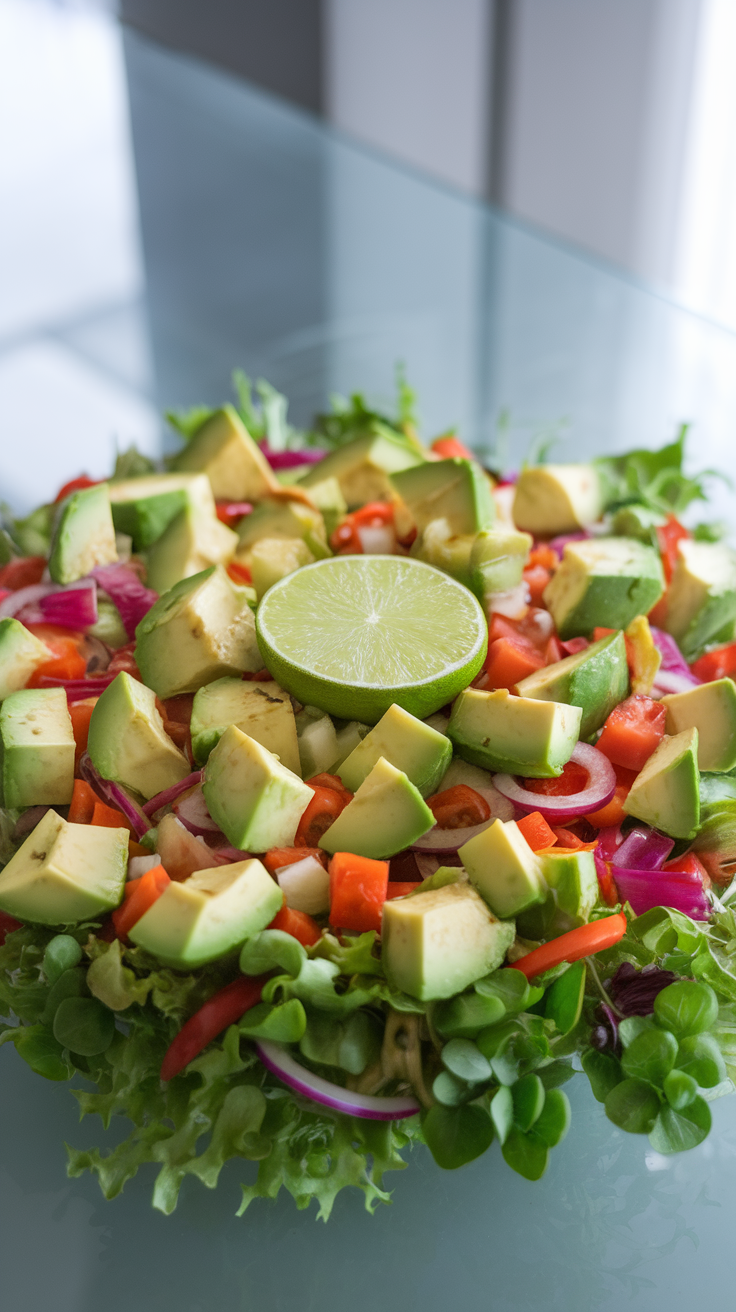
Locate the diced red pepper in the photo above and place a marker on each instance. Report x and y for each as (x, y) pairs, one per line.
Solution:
(8, 925)
(298, 924)
(544, 555)
(451, 446)
(358, 889)
(633, 730)
(278, 857)
(717, 664)
(81, 714)
(325, 806)
(333, 781)
(613, 813)
(572, 780)
(373, 514)
(76, 485)
(223, 1009)
(606, 884)
(108, 817)
(67, 661)
(669, 536)
(239, 573)
(536, 831)
(689, 864)
(400, 888)
(22, 573)
(510, 660)
(458, 807)
(82, 806)
(140, 895)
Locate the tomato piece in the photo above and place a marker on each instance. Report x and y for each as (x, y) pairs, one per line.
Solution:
(67, 661)
(298, 924)
(573, 946)
(329, 781)
(82, 806)
(536, 578)
(544, 555)
(325, 806)
(633, 730)
(553, 651)
(278, 857)
(345, 540)
(22, 573)
(8, 925)
(669, 536)
(75, 485)
(458, 807)
(373, 514)
(123, 661)
(572, 780)
(536, 831)
(358, 889)
(510, 660)
(140, 895)
(81, 714)
(717, 664)
(400, 888)
(223, 1009)
(451, 447)
(613, 813)
(230, 513)
(688, 864)
(239, 573)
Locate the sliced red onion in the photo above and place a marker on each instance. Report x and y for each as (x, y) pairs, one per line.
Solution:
(645, 889)
(291, 459)
(170, 794)
(29, 596)
(226, 854)
(191, 809)
(609, 840)
(668, 681)
(125, 589)
(77, 689)
(115, 795)
(643, 849)
(558, 544)
(74, 607)
(278, 1060)
(442, 841)
(672, 657)
(598, 791)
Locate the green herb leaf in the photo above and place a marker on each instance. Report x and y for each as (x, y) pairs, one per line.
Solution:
(632, 1026)
(463, 1017)
(633, 1106)
(62, 953)
(466, 1061)
(270, 950)
(700, 1057)
(511, 987)
(564, 1000)
(84, 1025)
(677, 1131)
(525, 1154)
(42, 1052)
(650, 1056)
(502, 1112)
(456, 1135)
(679, 1089)
(603, 1071)
(451, 1091)
(350, 1044)
(284, 1024)
(528, 1098)
(553, 1122)
(686, 1008)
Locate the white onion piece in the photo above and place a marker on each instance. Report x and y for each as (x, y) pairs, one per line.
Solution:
(598, 791)
(450, 840)
(191, 809)
(377, 539)
(306, 886)
(668, 681)
(513, 603)
(279, 1061)
(138, 865)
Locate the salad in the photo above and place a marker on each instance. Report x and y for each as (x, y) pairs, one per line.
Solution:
(356, 796)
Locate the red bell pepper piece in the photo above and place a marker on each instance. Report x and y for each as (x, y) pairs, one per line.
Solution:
(633, 730)
(573, 946)
(223, 1009)
(140, 895)
(83, 803)
(75, 485)
(717, 664)
(510, 660)
(358, 889)
(669, 536)
(298, 924)
(451, 447)
(8, 925)
(537, 832)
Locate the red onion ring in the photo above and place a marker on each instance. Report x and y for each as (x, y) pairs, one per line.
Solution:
(114, 795)
(279, 1061)
(194, 815)
(170, 794)
(598, 791)
(450, 840)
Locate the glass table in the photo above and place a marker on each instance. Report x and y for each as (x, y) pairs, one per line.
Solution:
(272, 244)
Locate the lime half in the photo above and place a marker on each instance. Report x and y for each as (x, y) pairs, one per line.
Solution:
(354, 634)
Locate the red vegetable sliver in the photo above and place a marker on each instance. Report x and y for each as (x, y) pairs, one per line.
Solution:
(573, 946)
(358, 889)
(221, 1010)
(298, 924)
(140, 895)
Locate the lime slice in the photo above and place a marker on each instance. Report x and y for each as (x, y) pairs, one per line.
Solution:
(354, 634)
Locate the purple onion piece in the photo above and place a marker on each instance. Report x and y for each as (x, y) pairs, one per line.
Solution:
(78, 689)
(643, 849)
(194, 815)
(558, 544)
(672, 657)
(114, 795)
(170, 794)
(645, 889)
(125, 589)
(291, 459)
(74, 607)
(22, 597)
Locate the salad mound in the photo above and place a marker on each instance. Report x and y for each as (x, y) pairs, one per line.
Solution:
(356, 796)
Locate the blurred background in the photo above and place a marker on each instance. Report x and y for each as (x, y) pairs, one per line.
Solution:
(301, 188)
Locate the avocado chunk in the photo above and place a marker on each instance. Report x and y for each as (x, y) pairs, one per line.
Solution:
(144, 507)
(386, 815)
(263, 711)
(190, 543)
(446, 550)
(666, 793)
(36, 748)
(84, 535)
(234, 464)
(504, 869)
(21, 653)
(603, 581)
(701, 599)
(329, 500)
(201, 629)
(573, 891)
(514, 735)
(497, 561)
(595, 679)
(65, 873)
(419, 751)
(435, 944)
(284, 519)
(272, 559)
(209, 914)
(554, 499)
(254, 799)
(455, 490)
(711, 709)
(362, 467)
(318, 746)
(127, 741)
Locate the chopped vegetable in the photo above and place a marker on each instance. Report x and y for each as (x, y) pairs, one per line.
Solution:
(458, 807)
(573, 946)
(358, 888)
(140, 895)
(633, 730)
(223, 1009)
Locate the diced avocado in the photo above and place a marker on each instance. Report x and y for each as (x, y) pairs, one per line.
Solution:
(330, 502)
(284, 519)
(701, 598)
(84, 535)
(554, 499)
(497, 562)
(435, 944)
(711, 709)
(318, 747)
(36, 748)
(386, 815)
(516, 735)
(263, 711)
(190, 543)
(504, 869)
(603, 581)
(127, 741)
(254, 799)
(666, 792)
(200, 630)
(446, 550)
(362, 467)
(234, 464)
(64, 873)
(272, 559)
(573, 891)
(410, 745)
(209, 914)
(108, 627)
(595, 679)
(144, 507)
(21, 653)
(455, 490)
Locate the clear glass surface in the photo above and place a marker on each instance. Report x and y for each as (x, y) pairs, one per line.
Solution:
(271, 244)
